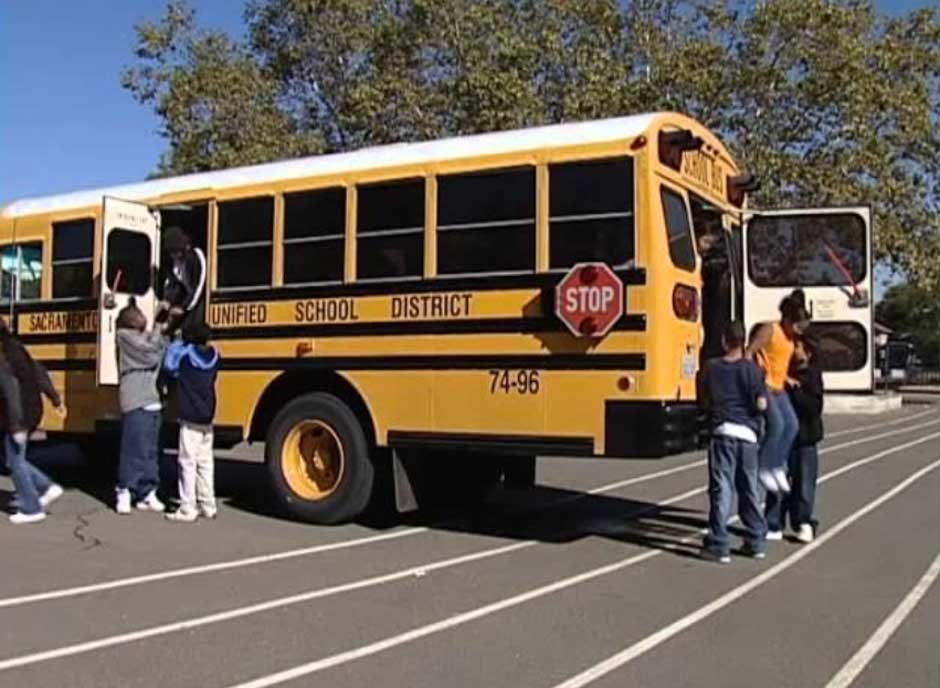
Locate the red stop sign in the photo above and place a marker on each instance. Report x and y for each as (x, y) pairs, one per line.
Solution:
(589, 299)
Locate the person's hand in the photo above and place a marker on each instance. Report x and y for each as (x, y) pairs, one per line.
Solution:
(19, 436)
(61, 411)
(177, 312)
(793, 384)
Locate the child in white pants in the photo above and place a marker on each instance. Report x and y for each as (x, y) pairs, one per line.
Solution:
(195, 365)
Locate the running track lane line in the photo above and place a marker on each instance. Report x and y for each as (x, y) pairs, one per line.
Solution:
(641, 647)
(847, 675)
(345, 544)
(460, 619)
(316, 549)
(189, 624)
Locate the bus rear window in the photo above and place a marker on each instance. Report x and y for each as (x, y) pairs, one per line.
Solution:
(815, 250)
(591, 212)
(681, 249)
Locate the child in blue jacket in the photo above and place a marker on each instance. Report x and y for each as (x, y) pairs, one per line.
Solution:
(194, 364)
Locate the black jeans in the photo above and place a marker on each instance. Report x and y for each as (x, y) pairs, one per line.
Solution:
(800, 504)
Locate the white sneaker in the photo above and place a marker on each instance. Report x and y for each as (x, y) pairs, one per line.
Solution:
(805, 535)
(52, 494)
(780, 477)
(182, 516)
(19, 518)
(123, 502)
(774, 535)
(767, 480)
(151, 503)
(206, 512)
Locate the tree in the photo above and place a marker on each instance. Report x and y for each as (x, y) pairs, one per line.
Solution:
(827, 101)
(915, 312)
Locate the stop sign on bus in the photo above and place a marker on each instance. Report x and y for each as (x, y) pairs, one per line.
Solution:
(589, 299)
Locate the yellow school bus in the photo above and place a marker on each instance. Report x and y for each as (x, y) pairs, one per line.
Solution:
(392, 311)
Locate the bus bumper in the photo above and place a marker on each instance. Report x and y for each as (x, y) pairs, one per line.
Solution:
(650, 429)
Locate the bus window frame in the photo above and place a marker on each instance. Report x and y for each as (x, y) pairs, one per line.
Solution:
(218, 248)
(16, 288)
(92, 260)
(306, 240)
(357, 236)
(682, 193)
(633, 213)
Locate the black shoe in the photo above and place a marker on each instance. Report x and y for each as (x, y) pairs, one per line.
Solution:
(749, 551)
(715, 557)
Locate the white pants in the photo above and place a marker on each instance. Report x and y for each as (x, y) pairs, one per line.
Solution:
(196, 474)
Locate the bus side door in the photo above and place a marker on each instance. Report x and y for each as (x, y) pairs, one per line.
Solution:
(130, 255)
(827, 252)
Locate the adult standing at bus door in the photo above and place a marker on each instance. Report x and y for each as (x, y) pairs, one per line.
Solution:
(184, 292)
(773, 346)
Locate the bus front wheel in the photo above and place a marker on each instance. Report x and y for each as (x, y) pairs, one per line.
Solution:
(318, 459)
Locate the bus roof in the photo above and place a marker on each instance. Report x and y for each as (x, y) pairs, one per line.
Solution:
(400, 154)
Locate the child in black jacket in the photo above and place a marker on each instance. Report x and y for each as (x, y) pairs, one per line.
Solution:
(195, 365)
(807, 398)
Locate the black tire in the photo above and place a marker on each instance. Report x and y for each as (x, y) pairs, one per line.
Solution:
(349, 493)
(519, 472)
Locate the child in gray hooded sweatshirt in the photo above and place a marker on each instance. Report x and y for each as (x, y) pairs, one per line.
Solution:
(139, 358)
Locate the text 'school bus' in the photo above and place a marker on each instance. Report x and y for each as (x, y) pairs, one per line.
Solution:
(475, 301)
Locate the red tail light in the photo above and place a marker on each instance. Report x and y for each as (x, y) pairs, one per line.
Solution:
(685, 302)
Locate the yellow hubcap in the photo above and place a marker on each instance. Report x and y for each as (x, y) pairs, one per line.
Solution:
(312, 459)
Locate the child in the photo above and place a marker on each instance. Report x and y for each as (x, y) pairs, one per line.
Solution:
(195, 366)
(140, 355)
(734, 396)
(23, 383)
(807, 398)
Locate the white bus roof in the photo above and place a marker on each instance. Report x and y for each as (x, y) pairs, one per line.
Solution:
(578, 133)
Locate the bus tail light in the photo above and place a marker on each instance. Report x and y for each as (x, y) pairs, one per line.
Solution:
(685, 302)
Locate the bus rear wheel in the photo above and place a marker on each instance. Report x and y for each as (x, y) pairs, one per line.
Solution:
(317, 458)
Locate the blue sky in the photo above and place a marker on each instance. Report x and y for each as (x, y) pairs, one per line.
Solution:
(65, 121)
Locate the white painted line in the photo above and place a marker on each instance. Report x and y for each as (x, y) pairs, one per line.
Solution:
(358, 542)
(872, 647)
(896, 421)
(641, 647)
(189, 624)
(516, 600)
(206, 568)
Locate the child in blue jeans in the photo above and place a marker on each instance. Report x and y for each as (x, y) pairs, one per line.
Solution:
(735, 396)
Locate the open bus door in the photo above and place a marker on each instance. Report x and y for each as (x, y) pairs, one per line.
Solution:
(826, 252)
(130, 255)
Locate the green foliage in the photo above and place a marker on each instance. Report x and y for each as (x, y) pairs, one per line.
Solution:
(910, 310)
(827, 101)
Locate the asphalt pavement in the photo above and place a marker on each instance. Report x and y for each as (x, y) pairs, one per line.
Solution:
(592, 578)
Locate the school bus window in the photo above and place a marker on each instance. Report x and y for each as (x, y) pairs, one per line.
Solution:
(591, 212)
(486, 222)
(807, 251)
(678, 230)
(7, 272)
(314, 236)
(843, 346)
(30, 272)
(390, 231)
(129, 267)
(245, 236)
(73, 245)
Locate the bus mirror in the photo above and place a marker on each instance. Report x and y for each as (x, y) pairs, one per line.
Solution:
(740, 185)
(672, 144)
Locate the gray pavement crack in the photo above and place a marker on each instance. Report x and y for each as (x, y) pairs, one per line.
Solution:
(82, 524)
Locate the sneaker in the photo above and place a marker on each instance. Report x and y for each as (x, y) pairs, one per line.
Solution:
(768, 481)
(123, 502)
(151, 503)
(805, 534)
(775, 535)
(749, 551)
(207, 512)
(715, 557)
(183, 516)
(52, 494)
(780, 477)
(19, 518)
